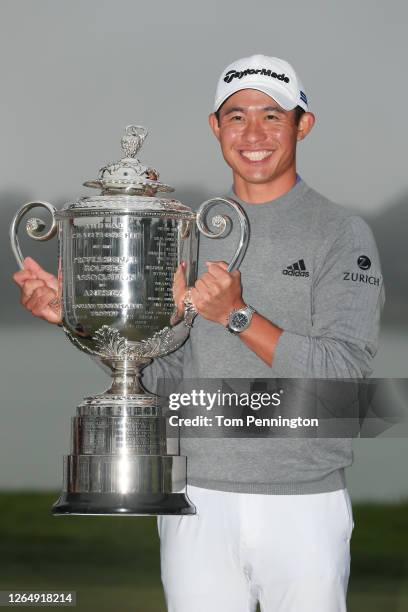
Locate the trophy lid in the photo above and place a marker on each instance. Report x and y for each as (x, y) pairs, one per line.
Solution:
(128, 176)
(127, 187)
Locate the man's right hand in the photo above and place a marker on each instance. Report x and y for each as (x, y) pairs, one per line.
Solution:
(38, 289)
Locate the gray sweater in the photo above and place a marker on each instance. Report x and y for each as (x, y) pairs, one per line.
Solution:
(312, 268)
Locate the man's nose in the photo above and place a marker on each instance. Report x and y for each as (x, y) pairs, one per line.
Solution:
(254, 132)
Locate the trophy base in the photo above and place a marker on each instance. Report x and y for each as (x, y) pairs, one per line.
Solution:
(116, 504)
(93, 485)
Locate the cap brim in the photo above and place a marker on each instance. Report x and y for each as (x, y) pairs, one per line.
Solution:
(283, 100)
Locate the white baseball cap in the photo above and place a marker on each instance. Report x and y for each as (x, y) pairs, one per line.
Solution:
(271, 75)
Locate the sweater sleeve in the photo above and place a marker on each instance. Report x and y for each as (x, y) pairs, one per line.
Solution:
(348, 295)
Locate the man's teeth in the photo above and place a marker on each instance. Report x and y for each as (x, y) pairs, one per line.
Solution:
(256, 155)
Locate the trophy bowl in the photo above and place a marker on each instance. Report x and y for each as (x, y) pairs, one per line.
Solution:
(118, 253)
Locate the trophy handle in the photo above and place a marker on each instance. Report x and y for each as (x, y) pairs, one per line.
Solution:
(34, 227)
(223, 224)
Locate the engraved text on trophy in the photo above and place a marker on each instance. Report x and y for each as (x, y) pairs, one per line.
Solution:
(122, 274)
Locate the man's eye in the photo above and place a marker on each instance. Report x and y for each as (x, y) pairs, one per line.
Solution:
(236, 118)
(272, 117)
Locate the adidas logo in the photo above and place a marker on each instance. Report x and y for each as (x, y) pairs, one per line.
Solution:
(296, 269)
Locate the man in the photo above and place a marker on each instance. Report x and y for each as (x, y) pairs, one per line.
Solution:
(274, 519)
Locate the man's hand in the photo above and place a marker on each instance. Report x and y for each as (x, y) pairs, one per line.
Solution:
(179, 289)
(217, 292)
(38, 289)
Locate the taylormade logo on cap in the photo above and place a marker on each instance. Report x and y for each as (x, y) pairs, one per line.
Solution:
(232, 74)
(271, 75)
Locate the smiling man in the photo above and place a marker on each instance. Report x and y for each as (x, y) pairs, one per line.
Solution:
(264, 158)
(274, 517)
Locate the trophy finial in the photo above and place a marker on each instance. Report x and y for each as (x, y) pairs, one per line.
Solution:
(133, 139)
(129, 176)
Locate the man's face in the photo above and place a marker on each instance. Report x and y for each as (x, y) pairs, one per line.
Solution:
(258, 138)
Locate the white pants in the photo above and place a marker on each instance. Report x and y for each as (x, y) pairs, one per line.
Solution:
(289, 552)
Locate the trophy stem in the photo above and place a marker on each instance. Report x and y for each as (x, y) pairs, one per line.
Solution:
(126, 380)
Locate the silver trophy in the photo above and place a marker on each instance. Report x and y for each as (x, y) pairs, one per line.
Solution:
(118, 252)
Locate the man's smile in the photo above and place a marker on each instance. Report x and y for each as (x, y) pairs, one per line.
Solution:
(256, 156)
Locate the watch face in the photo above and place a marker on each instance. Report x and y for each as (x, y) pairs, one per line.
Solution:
(239, 320)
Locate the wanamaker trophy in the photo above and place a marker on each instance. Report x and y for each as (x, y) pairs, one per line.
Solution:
(118, 252)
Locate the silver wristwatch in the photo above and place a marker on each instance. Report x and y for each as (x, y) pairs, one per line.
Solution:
(239, 320)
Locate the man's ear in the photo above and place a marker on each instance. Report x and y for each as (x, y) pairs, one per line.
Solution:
(306, 123)
(213, 121)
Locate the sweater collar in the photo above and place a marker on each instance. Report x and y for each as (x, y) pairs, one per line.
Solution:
(289, 198)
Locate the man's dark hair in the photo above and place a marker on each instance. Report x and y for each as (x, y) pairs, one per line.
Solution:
(298, 113)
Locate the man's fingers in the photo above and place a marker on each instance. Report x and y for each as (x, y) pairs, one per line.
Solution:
(202, 291)
(37, 294)
(179, 286)
(221, 264)
(209, 281)
(180, 268)
(201, 286)
(218, 269)
(38, 305)
(195, 297)
(31, 265)
(22, 276)
(29, 288)
(179, 278)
